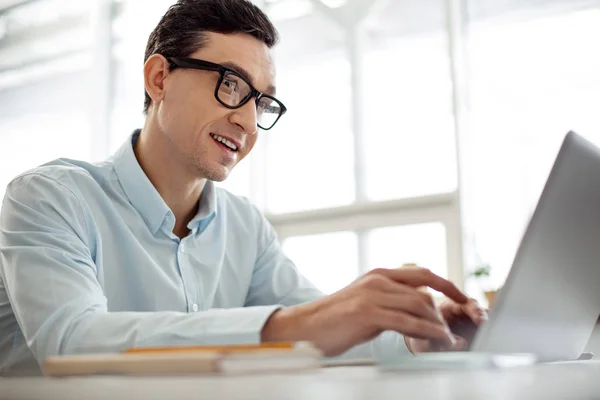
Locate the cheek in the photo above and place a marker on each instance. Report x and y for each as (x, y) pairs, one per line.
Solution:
(250, 142)
(185, 100)
(175, 113)
(183, 117)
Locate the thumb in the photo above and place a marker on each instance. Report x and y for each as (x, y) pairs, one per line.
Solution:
(460, 345)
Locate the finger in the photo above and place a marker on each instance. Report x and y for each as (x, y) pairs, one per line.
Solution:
(390, 286)
(426, 297)
(474, 311)
(461, 344)
(417, 277)
(411, 326)
(408, 296)
(405, 298)
(450, 310)
(411, 303)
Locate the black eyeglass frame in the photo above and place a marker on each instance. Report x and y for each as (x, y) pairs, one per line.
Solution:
(194, 63)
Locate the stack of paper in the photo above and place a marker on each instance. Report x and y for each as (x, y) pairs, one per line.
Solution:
(189, 360)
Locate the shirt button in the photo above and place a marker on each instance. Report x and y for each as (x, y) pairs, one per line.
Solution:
(194, 307)
(182, 247)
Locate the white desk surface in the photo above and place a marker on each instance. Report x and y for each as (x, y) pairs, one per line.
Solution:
(551, 381)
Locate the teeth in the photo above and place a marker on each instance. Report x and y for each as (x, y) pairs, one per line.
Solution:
(225, 142)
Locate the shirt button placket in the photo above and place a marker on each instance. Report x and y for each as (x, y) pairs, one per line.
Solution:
(184, 271)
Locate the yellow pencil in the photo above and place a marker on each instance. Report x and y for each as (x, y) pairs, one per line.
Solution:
(221, 349)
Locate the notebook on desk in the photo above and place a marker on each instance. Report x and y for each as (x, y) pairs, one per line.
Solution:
(188, 360)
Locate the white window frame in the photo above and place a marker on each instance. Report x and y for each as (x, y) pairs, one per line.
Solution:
(361, 216)
(364, 215)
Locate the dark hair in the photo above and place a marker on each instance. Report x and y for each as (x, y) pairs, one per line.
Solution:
(181, 31)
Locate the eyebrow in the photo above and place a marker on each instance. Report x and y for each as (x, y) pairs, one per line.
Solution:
(271, 90)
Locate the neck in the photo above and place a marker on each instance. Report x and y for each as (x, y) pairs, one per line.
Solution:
(178, 187)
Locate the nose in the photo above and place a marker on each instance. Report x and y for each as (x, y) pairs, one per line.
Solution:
(245, 117)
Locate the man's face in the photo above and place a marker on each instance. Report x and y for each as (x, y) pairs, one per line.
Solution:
(196, 124)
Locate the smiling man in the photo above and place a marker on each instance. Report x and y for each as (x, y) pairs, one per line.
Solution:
(143, 249)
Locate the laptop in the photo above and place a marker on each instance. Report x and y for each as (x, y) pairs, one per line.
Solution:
(550, 301)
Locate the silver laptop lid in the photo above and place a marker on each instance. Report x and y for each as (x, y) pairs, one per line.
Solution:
(550, 301)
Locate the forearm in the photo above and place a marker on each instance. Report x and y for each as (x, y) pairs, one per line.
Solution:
(99, 332)
(300, 323)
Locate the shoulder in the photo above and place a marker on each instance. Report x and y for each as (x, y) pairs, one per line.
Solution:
(60, 186)
(239, 208)
(46, 199)
(244, 216)
(56, 177)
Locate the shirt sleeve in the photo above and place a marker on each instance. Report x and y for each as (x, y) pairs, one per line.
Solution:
(47, 267)
(276, 280)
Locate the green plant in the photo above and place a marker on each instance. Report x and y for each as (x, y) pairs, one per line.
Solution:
(481, 272)
(482, 275)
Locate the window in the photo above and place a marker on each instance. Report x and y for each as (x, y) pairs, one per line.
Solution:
(320, 192)
(532, 80)
(328, 260)
(401, 205)
(39, 138)
(43, 30)
(309, 152)
(410, 142)
(130, 35)
(44, 88)
(421, 244)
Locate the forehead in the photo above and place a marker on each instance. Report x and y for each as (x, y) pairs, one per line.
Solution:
(244, 51)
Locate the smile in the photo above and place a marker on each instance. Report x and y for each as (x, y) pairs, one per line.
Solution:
(224, 141)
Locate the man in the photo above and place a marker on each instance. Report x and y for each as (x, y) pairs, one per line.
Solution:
(143, 250)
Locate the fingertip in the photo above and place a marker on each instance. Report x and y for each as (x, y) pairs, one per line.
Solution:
(480, 315)
(477, 319)
(484, 316)
(460, 343)
(450, 337)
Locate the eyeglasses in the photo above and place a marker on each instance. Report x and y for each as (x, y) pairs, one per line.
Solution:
(233, 91)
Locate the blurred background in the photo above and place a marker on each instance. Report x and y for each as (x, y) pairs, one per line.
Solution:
(418, 131)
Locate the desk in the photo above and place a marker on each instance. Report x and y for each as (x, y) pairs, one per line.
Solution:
(551, 381)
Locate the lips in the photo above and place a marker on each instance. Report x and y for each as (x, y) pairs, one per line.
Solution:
(227, 142)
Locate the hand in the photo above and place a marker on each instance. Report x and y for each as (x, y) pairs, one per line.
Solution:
(462, 319)
(383, 299)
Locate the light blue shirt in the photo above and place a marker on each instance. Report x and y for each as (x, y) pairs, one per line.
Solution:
(89, 263)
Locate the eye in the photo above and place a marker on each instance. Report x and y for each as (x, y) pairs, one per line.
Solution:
(230, 84)
(267, 105)
(264, 103)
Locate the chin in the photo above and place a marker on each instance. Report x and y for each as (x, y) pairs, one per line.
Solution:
(218, 174)
(217, 178)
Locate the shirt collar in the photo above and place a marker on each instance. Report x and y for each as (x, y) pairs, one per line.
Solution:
(146, 199)
(138, 188)
(207, 208)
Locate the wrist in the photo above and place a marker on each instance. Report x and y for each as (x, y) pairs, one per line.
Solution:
(292, 324)
(280, 327)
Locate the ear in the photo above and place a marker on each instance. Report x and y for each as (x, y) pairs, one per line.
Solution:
(156, 70)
